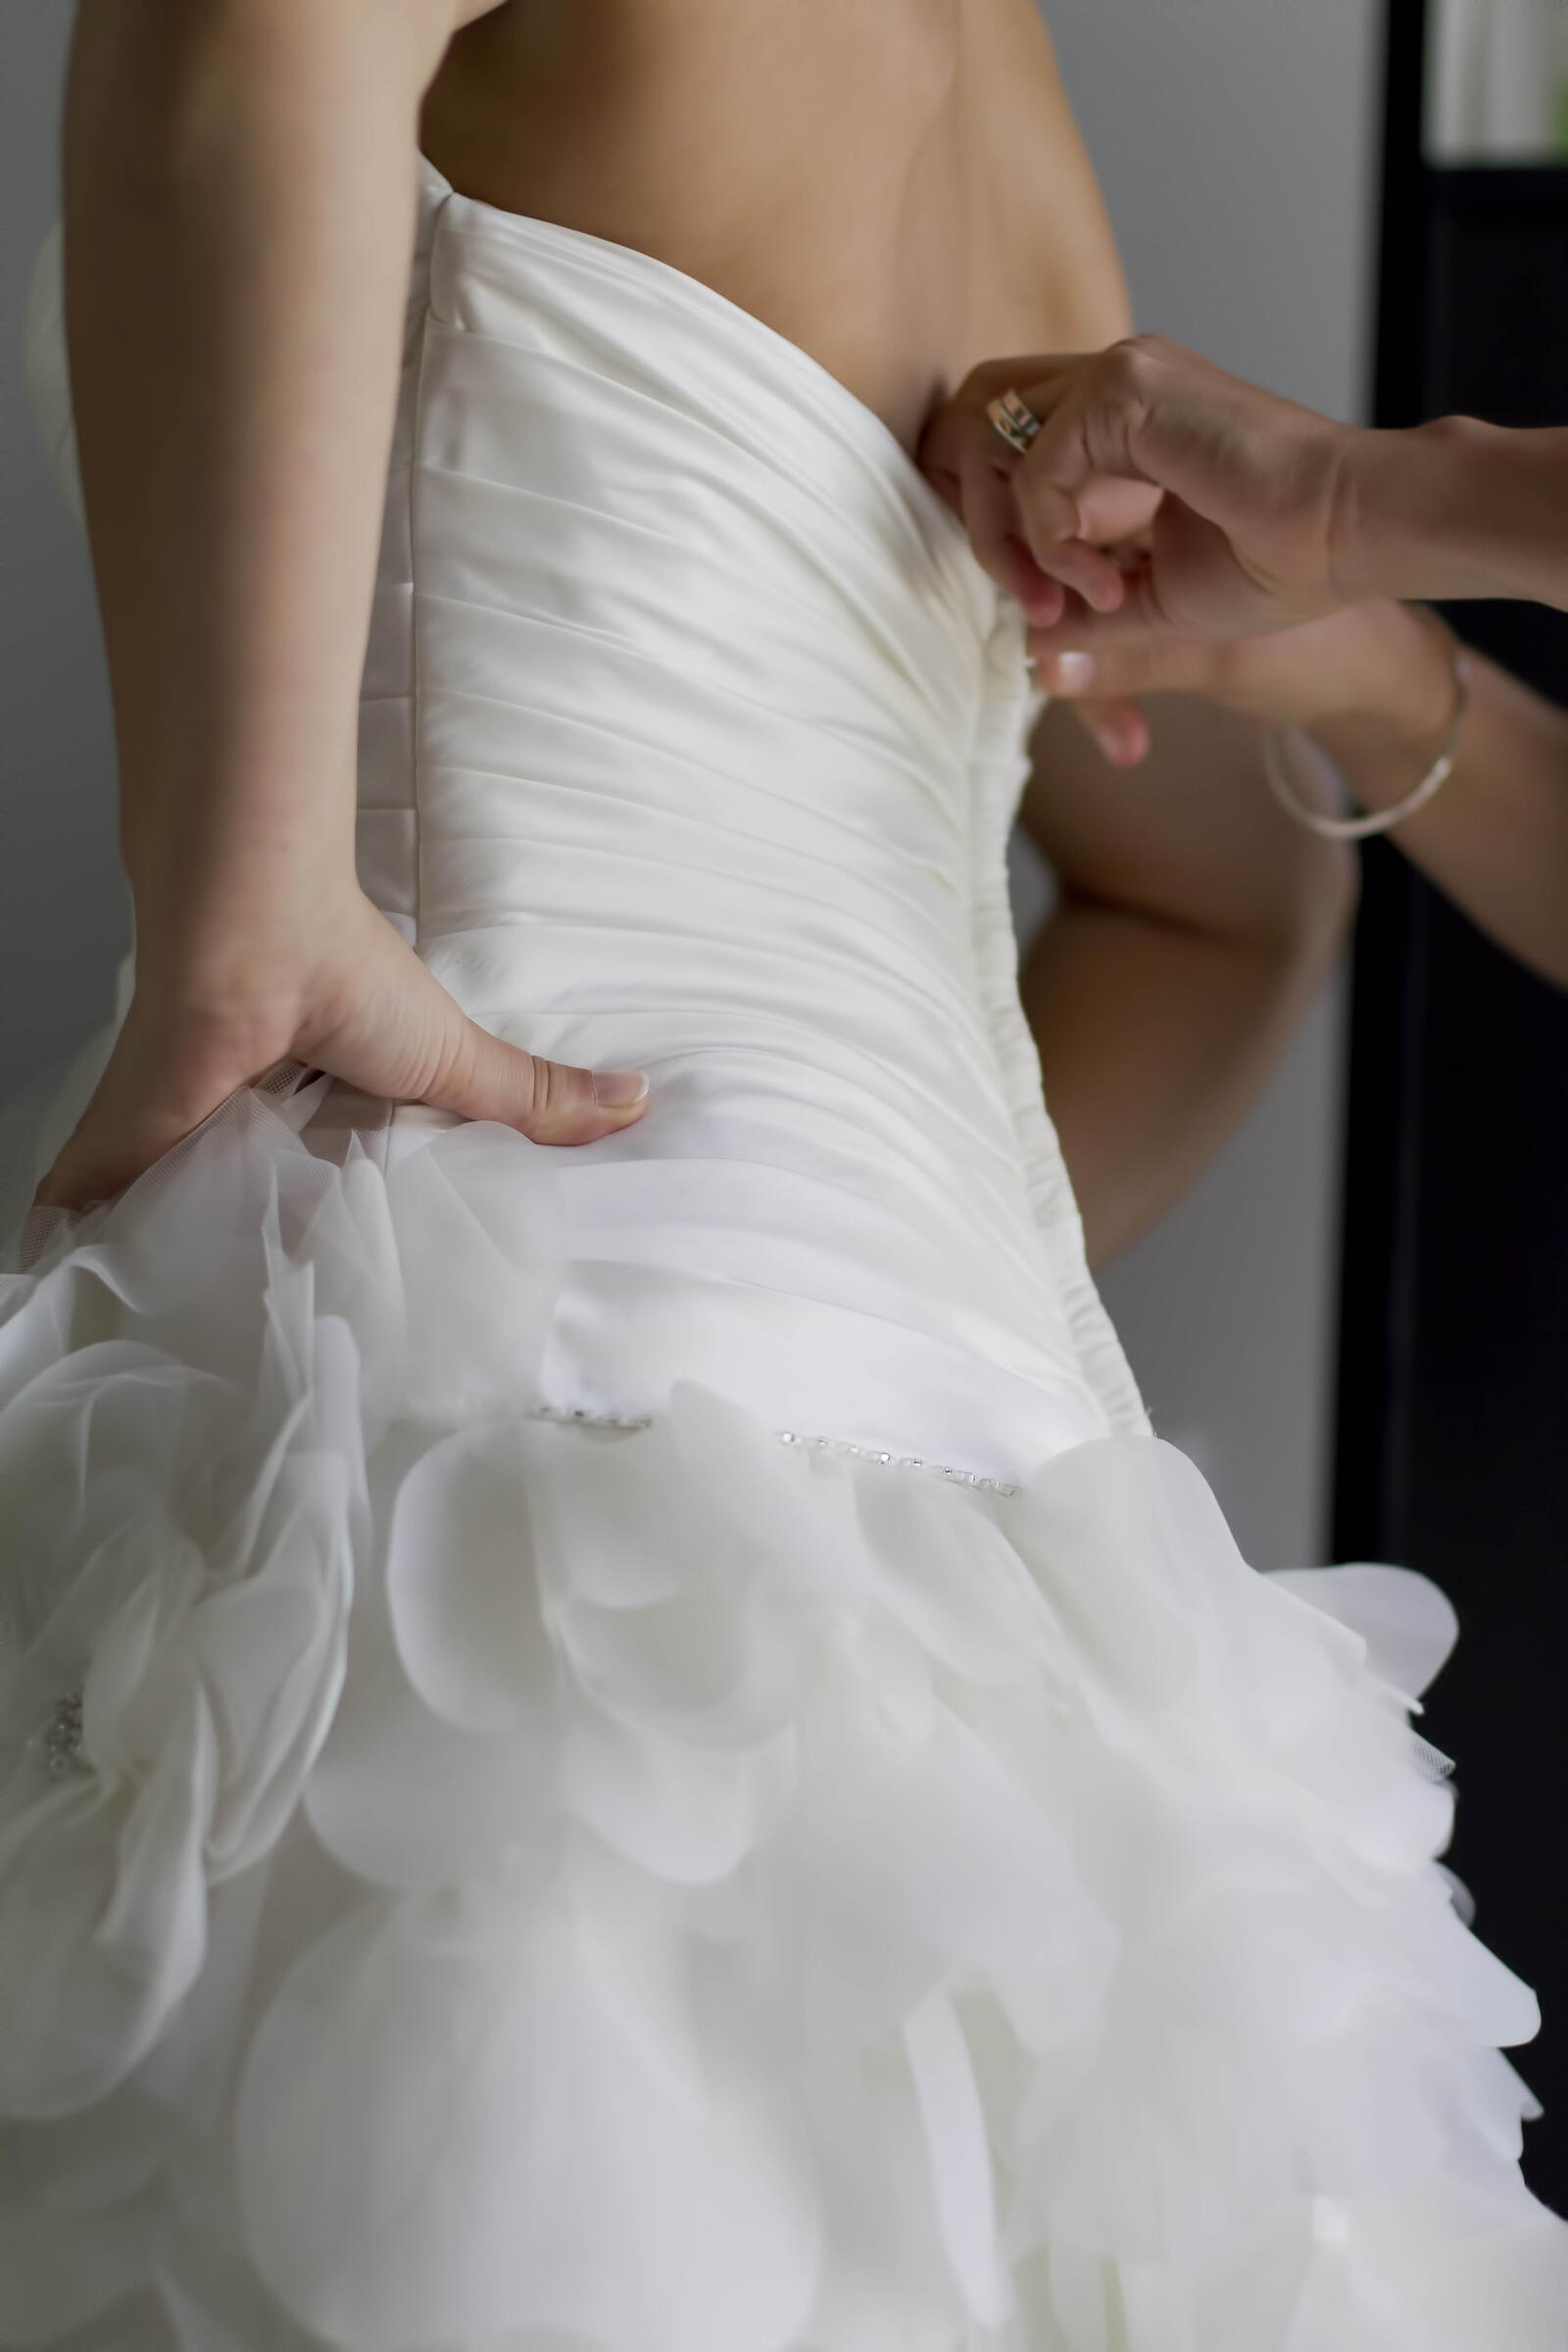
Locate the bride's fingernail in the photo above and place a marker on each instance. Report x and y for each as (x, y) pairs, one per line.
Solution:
(1073, 673)
(618, 1089)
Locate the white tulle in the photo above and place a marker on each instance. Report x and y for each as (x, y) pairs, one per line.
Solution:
(526, 1886)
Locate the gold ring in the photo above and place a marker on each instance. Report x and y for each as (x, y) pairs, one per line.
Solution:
(1014, 420)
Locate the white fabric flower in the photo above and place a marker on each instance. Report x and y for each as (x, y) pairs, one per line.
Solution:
(180, 1535)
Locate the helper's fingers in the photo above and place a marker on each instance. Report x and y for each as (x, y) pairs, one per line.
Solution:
(1042, 380)
(1092, 410)
(1029, 565)
(990, 514)
(1087, 571)
(1120, 731)
(1025, 533)
(1115, 523)
(1113, 513)
(1134, 629)
(1188, 582)
(1120, 673)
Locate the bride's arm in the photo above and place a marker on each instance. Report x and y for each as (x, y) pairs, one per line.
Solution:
(239, 191)
(1195, 925)
(240, 183)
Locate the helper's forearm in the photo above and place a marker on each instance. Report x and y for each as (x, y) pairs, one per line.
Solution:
(1495, 837)
(1455, 508)
(239, 188)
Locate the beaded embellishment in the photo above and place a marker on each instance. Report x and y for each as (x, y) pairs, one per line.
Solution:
(901, 1461)
(60, 1740)
(577, 1417)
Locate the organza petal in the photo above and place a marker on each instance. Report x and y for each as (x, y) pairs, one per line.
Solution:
(520, 2167)
(1407, 1623)
(461, 1582)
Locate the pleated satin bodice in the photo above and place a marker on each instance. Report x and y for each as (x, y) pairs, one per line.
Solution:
(691, 738)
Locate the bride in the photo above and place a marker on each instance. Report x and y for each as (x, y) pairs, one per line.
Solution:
(618, 1732)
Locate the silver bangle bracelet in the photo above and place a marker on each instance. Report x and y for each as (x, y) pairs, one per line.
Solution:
(1362, 828)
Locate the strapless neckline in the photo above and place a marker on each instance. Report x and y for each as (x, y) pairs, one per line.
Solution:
(775, 349)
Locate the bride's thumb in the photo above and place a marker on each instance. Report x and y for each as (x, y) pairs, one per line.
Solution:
(550, 1101)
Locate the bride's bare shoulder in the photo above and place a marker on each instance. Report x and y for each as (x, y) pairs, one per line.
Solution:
(1053, 276)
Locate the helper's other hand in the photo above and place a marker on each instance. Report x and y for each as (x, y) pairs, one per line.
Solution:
(1383, 668)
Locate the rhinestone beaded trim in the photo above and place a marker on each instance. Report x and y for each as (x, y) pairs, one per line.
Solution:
(61, 1737)
(901, 1461)
(577, 1417)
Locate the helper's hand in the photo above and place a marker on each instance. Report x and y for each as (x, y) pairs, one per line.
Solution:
(356, 1002)
(1172, 498)
(1376, 676)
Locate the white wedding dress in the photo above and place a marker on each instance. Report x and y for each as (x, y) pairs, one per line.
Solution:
(638, 1749)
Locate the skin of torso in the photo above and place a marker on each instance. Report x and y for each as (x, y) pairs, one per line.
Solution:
(896, 185)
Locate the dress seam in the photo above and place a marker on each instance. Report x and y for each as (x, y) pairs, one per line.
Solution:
(416, 365)
(1057, 1222)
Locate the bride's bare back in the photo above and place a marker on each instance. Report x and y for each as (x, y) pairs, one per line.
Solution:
(897, 186)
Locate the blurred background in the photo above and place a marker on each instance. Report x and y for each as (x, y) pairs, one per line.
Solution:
(65, 917)
(1497, 81)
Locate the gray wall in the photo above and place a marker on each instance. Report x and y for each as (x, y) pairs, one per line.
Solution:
(1234, 141)
(63, 913)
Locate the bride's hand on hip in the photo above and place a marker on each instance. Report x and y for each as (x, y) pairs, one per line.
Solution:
(363, 1008)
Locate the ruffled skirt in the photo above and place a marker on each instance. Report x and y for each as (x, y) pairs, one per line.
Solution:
(478, 1881)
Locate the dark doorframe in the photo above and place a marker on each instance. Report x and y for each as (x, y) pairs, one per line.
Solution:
(1453, 1413)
